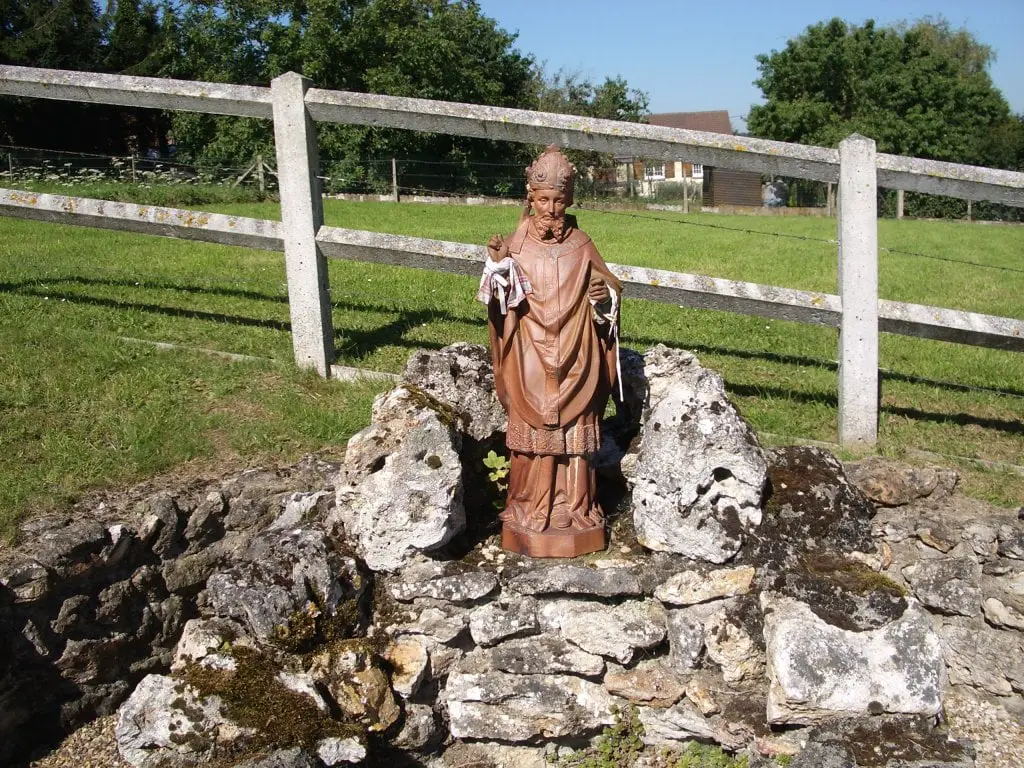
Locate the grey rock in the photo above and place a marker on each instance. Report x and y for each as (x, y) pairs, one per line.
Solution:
(894, 483)
(409, 657)
(166, 722)
(431, 581)
(462, 377)
(948, 584)
(700, 472)
(76, 613)
(982, 657)
(982, 537)
(1011, 540)
(205, 524)
(732, 648)
(689, 587)
(576, 580)
(401, 490)
(284, 573)
(442, 622)
(301, 508)
(683, 722)
(615, 631)
(336, 750)
(27, 578)
(101, 660)
(353, 676)
(295, 757)
(817, 671)
(650, 683)
(164, 526)
(419, 730)
(60, 547)
(1001, 615)
(491, 623)
(538, 655)
(516, 708)
(827, 755)
(685, 639)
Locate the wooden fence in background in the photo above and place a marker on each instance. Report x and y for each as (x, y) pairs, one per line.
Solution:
(296, 107)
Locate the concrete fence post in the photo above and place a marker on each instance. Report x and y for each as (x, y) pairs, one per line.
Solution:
(858, 291)
(302, 215)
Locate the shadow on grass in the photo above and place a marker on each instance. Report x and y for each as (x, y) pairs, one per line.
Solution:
(360, 343)
(1007, 426)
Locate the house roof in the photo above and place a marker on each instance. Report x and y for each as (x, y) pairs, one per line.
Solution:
(715, 121)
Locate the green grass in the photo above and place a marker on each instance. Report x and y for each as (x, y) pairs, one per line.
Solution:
(83, 410)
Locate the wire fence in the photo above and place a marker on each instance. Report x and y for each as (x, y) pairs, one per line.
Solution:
(458, 178)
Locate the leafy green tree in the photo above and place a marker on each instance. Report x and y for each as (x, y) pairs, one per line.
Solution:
(921, 90)
(570, 93)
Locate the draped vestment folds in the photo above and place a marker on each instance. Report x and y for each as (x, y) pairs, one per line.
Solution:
(554, 367)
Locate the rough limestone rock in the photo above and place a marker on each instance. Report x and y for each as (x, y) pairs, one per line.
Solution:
(165, 722)
(576, 580)
(419, 730)
(538, 655)
(683, 722)
(982, 657)
(201, 638)
(400, 492)
(409, 657)
(894, 483)
(336, 750)
(685, 639)
(284, 574)
(1001, 615)
(700, 472)
(497, 705)
(732, 648)
(462, 377)
(650, 683)
(948, 584)
(615, 631)
(503, 619)
(689, 587)
(429, 579)
(481, 754)
(817, 671)
(350, 673)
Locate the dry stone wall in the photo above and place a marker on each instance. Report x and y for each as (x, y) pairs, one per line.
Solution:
(269, 620)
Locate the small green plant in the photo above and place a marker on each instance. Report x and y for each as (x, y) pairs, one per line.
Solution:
(499, 468)
(618, 746)
(699, 755)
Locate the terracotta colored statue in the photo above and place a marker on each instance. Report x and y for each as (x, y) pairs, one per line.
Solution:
(553, 317)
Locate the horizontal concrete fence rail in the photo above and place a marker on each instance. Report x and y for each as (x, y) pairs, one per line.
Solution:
(679, 288)
(727, 151)
(295, 107)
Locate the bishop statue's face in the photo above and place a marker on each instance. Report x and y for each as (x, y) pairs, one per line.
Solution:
(548, 213)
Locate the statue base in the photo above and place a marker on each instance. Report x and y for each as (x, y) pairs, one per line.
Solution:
(553, 542)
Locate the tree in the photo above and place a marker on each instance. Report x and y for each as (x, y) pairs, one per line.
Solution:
(570, 93)
(921, 90)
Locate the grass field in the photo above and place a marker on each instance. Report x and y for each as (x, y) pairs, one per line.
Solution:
(82, 409)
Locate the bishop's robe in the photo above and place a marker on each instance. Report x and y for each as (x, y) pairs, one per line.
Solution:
(554, 367)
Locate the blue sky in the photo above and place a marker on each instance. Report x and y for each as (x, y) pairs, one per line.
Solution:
(691, 56)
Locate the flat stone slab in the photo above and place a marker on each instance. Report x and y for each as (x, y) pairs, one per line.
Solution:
(539, 655)
(577, 580)
(690, 587)
(491, 623)
(504, 707)
(615, 631)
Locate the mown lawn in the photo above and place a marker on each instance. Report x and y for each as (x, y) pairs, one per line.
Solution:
(82, 409)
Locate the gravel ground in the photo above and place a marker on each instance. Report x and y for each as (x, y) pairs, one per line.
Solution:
(91, 746)
(998, 735)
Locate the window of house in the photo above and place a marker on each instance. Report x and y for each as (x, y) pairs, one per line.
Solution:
(654, 171)
(698, 171)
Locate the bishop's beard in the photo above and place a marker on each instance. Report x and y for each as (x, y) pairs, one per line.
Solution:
(549, 227)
